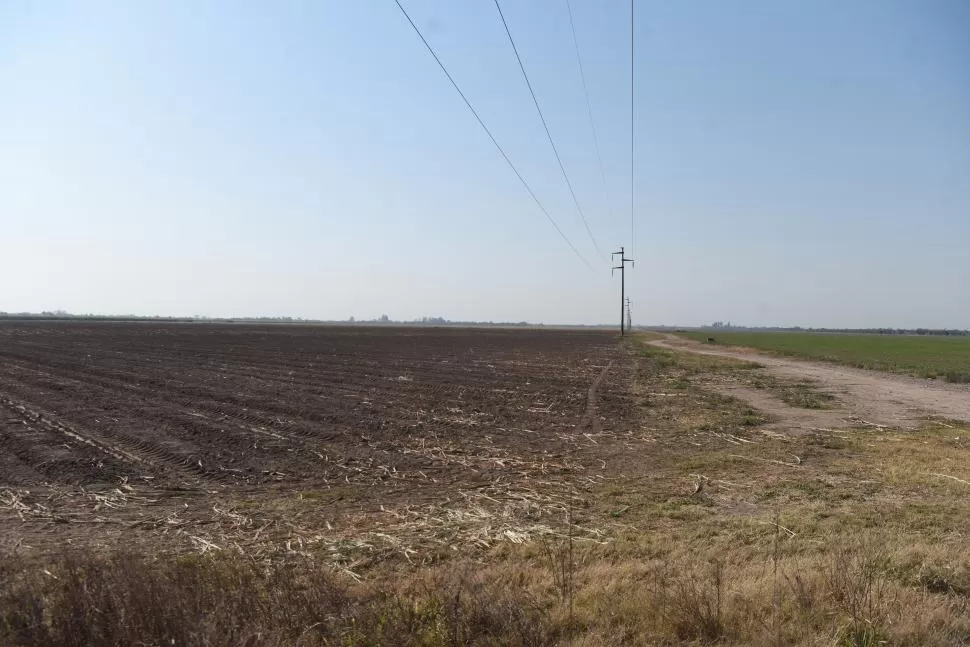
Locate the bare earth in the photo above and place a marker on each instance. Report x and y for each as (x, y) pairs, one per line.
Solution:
(864, 397)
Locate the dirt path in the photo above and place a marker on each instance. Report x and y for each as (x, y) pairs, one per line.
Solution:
(864, 396)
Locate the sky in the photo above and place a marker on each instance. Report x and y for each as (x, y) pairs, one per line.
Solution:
(796, 162)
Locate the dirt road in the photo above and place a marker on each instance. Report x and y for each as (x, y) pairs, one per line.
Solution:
(863, 396)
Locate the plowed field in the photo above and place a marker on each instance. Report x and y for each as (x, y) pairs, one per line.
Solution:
(215, 410)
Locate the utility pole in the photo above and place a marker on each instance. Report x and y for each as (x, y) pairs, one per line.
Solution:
(622, 267)
(629, 315)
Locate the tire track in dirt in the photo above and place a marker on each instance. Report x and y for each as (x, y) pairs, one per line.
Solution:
(136, 453)
(191, 408)
(45, 419)
(589, 416)
(32, 454)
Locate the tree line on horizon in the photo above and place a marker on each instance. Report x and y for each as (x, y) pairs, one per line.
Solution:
(383, 319)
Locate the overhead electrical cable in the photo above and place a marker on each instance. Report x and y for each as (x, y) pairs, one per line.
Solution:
(491, 136)
(546, 127)
(633, 192)
(589, 113)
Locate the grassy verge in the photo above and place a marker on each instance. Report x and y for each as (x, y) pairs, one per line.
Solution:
(714, 531)
(796, 393)
(946, 358)
(708, 371)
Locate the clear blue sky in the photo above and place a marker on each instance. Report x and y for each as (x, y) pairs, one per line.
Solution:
(799, 162)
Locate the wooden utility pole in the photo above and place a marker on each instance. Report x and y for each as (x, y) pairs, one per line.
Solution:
(622, 267)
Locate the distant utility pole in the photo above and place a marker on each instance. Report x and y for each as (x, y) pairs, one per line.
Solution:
(622, 267)
(629, 315)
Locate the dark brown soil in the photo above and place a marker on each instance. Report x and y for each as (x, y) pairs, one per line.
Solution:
(188, 410)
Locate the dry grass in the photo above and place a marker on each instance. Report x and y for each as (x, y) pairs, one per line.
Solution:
(128, 600)
(699, 528)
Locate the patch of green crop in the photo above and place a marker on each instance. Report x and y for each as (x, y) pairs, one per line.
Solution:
(937, 357)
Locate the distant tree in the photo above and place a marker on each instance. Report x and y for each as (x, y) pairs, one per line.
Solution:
(384, 319)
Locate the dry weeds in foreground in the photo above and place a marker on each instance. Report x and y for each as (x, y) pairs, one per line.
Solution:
(855, 596)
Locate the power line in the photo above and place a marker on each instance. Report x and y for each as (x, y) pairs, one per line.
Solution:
(589, 111)
(491, 136)
(633, 181)
(546, 127)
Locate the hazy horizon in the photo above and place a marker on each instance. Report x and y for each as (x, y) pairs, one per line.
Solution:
(798, 164)
(437, 320)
